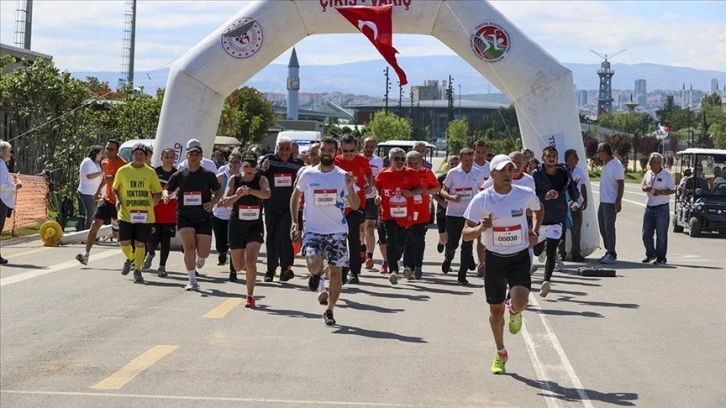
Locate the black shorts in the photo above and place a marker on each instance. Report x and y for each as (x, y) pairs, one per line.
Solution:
(106, 212)
(371, 209)
(242, 233)
(503, 270)
(202, 226)
(381, 227)
(164, 229)
(139, 232)
(441, 220)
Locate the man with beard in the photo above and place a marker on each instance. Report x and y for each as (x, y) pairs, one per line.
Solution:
(325, 187)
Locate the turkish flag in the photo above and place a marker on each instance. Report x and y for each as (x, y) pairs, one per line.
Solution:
(376, 24)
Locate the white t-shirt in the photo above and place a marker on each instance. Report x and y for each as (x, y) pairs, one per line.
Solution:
(510, 232)
(223, 213)
(660, 181)
(376, 164)
(85, 185)
(465, 185)
(611, 173)
(206, 163)
(525, 181)
(324, 200)
(484, 169)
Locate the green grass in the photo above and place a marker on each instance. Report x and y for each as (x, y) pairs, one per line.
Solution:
(634, 178)
(20, 233)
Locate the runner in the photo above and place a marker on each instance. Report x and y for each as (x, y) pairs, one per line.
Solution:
(245, 192)
(354, 163)
(221, 214)
(325, 189)
(106, 212)
(198, 190)
(499, 215)
(396, 185)
(137, 190)
(206, 163)
(452, 162)
(372, 211)
(164, 228)
(416, 242)
(480, 162)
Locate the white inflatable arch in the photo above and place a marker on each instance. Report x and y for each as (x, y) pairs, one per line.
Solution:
(540, 87)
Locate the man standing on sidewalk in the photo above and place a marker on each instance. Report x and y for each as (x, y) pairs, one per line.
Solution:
(578, 177)
(659, 185)
(611, 197)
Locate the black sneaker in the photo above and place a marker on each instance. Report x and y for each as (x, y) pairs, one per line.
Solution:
(578, 258)
(286, 275)
(328, 318)
(221, 259)
(660, 261)
(137, 277)
(233, 276)
(417, 272)
(647, 259)
(313, 282)
(127, 268)
(440, 248)
(269, 278)
(196, 274)
(446, 266)
(354, 280)
(463, 282)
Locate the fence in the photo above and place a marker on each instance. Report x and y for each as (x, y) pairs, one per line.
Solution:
(31, 203)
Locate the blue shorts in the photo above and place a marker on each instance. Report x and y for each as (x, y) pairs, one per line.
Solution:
(332, 247)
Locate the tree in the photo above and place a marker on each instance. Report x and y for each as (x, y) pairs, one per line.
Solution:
(621, 144)
(246, 115)
(590, 144)
(389, 126)
(646, 146)
(713, 99)
(458, 132)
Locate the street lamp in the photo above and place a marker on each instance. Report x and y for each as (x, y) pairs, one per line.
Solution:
(459, 85)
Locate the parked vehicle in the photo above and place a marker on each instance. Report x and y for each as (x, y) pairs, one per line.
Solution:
(385, 147)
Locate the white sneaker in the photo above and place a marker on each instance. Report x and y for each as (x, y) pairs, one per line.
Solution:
(200, 263)
(393, 278)
(407, 273)
(544, 289)
(559, 265)
(532, 270)
(83, 259)
(543, 256)
(192, 286)
(608, 260)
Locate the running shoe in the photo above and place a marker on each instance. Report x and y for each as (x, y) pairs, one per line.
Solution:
(578, 258)
(328, 318)
(250, 303)
(147, 261)
(559, 265)
(369, 263)
(127, 267)
(499, 362)
(440, 248)
(137, 277)
(463, 282)
(192, 286)
(4, 261)
(608, 260)
(313, 282)
(83, 259)
(384, 268)
(542, 257)
(354, 280)
(481, 270)
(660, 261)
(515, 323)
(286, 275)
(544, 289)
(323, 297)
(221, 258)
(200, 263)
(393, 278)
(532, 270)
(446, 266)
(233, 276)
(161, 272)
(268, 278)
(648, 259)
(407, 274)
(417, 272)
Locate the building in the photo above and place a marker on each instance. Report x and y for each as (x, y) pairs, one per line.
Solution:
(581, 97)
(431, 90)
(714, 85)
(641, 87)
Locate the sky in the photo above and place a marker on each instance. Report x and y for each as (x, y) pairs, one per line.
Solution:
(87, 35)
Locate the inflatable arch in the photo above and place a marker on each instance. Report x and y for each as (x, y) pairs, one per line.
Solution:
(541, 88)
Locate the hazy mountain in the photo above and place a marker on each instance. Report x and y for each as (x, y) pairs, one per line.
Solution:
(367, 78)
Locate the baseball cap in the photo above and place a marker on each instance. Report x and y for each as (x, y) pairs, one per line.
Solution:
(499, 161)
(139, 146)
(194, 148)
(193, 142)
(251, 158)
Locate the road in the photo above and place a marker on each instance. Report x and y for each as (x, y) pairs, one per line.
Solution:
(84, 336)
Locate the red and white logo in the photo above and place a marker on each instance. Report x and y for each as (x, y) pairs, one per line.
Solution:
(243, 38)
(490, 42)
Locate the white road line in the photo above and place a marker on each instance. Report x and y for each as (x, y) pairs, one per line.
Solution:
(624, 199)
(554, 342)
(65, 265)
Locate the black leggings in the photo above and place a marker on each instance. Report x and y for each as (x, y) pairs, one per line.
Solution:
(454, 228)
(161, 234)
(354, 219)
(396, 243)
(219, 226)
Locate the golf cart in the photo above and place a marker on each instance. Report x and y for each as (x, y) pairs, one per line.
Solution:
(701, 192)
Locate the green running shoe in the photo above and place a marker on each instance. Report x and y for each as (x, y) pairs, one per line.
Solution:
(499, 362)
(515, 323)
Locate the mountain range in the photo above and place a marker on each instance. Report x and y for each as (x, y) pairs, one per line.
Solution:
(367, 78)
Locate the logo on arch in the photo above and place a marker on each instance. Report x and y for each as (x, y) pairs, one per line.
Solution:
(243, 38)
(490, 42)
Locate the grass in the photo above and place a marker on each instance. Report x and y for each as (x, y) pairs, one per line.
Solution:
(24, 232)
(634, 178)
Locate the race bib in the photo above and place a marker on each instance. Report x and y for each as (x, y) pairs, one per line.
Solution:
(398, 209)
(283, 180)
(552, 231)
(192, 198)
(139, 217)
(324, 198)
(507, 236)
(466, 194)
(249, 212)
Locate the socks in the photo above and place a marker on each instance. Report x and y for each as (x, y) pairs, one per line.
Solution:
(192, 276)
(369, 254)
(139, 257)
(128, 250)
(502, 352)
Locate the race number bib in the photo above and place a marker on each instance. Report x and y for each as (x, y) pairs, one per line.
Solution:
(507, 236)
(139, 217)
(283, 180)
(417, 199)
(552, 231)
(192, 198)
(324, 198)
(249, 212)
(466, 194)
(398, 209)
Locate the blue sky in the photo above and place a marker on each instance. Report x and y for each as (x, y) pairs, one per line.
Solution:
(86, 35)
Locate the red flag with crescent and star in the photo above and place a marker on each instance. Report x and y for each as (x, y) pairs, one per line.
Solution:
(376, 23)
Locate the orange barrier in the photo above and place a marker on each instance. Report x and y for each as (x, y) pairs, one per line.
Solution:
(31, 203)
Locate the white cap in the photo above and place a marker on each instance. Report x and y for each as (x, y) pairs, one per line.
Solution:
(194, 142)
(499, 161)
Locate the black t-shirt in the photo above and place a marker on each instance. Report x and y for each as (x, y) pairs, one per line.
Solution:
(195, 189)
(282, 178)
(164, 176)
(251, 206)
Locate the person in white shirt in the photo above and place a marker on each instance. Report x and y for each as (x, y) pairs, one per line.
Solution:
(659, 185)
(578, 177)
(8, 184)
(206, 163)
(89, 179)
(325, 187)
(481, 163)
(499, 215)
(611, 197)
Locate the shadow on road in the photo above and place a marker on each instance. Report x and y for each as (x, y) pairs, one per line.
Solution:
(557, 312)
(603, 304)
(625, 399)
(347, 303)
(374, 334)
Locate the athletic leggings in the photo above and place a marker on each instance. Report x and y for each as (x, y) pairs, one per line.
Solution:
(161, 234)
(396, 243)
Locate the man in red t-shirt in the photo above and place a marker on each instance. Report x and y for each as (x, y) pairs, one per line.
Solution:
(416, 242)
(396, 186)
(354, 163)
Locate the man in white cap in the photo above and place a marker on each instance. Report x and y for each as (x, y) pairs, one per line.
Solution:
(206, 163)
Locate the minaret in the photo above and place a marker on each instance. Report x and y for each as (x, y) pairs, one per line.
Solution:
(293, 86)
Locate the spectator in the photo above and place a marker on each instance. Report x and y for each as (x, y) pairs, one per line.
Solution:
(611, 196)
(89, 180)
(8, 184)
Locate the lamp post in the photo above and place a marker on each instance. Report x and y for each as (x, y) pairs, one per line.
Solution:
(388, 87)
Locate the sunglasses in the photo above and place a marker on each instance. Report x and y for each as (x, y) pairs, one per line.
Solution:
(348, 151)
(398, 159)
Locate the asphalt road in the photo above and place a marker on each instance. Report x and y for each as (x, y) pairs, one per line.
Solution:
(85, 336)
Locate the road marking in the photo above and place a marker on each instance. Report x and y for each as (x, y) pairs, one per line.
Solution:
(221, 311)
(553, 342)
(117, 380)
(624, 199)
(65, 265)
(32, 251)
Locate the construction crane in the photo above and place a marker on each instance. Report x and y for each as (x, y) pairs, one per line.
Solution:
(605, 94)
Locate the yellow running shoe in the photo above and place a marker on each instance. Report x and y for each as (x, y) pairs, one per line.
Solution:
(499, 362)
(515, 323)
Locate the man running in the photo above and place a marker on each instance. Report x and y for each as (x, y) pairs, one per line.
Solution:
(416, 242)
(164, 228)
(106, 212)
(197, 190)
(325, 187)
(372, 213)
(137, 189)
(499, 215)
(481, 163)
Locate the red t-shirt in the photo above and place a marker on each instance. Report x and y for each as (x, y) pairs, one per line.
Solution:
(395, 206)
(109, 169)
(421, 202)
(360, 168)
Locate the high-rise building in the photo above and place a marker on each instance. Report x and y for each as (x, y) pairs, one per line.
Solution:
(640, 87)
(714, 85)
(581, 97)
